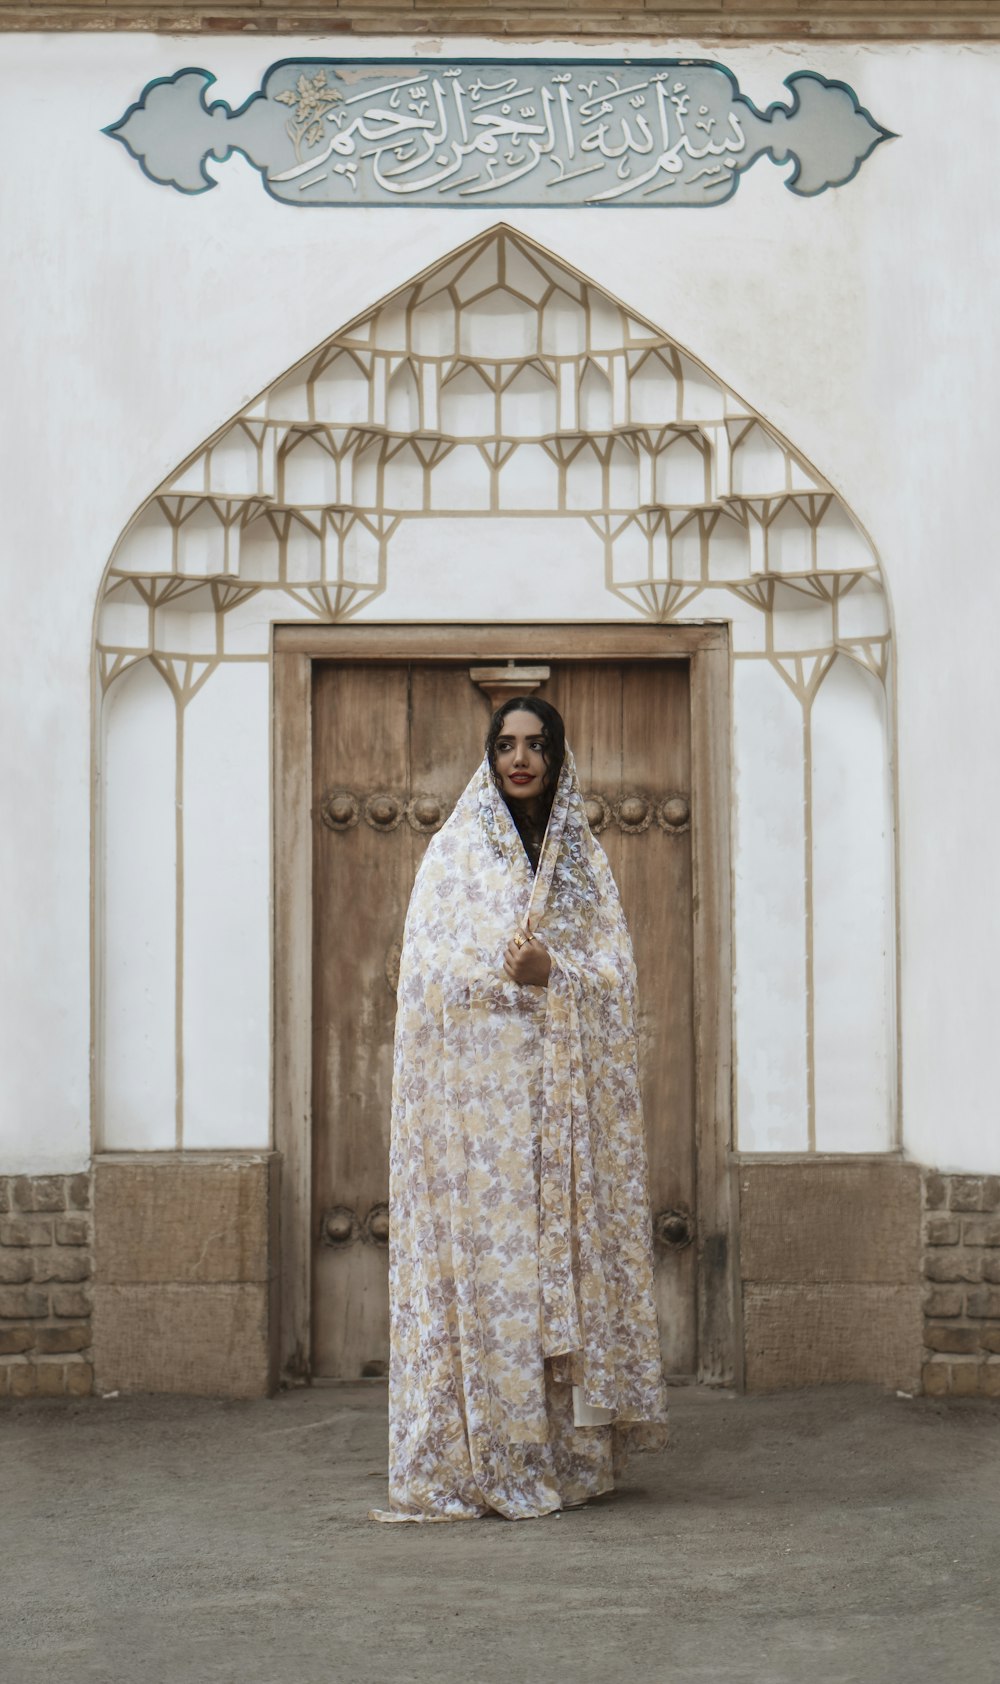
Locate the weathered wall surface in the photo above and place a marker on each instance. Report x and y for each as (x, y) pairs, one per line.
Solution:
(144, 318)
(185, 1273)
(829, 1256)
(767, 20)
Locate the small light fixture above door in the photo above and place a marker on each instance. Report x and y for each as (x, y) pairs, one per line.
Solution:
(498, 684)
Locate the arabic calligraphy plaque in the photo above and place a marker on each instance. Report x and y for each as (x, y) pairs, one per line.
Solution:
(504, 132)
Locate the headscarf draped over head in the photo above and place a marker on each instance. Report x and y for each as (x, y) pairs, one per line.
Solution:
(478, 1305)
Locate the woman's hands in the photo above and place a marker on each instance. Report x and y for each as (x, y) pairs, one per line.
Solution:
(527, 961)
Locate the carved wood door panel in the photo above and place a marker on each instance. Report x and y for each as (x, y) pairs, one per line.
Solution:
(394, 744)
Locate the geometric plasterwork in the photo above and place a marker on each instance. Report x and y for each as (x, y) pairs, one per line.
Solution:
(499, 383)
(503, 384)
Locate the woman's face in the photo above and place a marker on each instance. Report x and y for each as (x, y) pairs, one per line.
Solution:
(519, 756)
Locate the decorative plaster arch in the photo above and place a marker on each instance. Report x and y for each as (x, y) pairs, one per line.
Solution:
(503, 386)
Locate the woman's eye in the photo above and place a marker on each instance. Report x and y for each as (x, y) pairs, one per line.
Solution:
(506, 745)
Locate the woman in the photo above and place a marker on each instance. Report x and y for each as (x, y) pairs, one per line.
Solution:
(524, 1337)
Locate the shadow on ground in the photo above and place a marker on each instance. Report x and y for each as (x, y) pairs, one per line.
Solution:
(834, 1536)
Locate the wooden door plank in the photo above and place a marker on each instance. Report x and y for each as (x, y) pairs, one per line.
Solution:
(589, 697)
(655, 877)
(449, 718)
(588, 694)
(657, 732)
(361, 878)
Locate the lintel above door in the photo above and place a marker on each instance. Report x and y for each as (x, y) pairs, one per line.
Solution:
(498, 644)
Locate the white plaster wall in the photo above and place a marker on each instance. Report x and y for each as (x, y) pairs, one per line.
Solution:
(458, 569)
(137, 1070)
(769, 944)
(852, 932)
(227, 948)
(860, 323)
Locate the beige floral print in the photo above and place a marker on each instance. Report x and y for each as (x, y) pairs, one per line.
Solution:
(520, 1255)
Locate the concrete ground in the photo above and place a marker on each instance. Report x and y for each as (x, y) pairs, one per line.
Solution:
(834, 1536)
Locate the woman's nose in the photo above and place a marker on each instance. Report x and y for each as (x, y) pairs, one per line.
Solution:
(520, 755)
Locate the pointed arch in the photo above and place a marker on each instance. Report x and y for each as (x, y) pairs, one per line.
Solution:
(501, 384)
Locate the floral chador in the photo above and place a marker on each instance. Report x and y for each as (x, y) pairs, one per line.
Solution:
(524, 1347)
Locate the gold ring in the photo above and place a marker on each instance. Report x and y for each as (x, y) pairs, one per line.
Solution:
(518, 941)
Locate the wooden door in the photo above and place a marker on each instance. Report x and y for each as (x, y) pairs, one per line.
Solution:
(394, 746)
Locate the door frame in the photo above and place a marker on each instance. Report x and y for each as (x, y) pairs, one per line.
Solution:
(707, 647)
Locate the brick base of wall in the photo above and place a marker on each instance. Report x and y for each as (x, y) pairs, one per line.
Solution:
(45, 1299)
(962, 1280)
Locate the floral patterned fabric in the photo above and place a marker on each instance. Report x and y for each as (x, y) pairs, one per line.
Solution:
(520, 1256)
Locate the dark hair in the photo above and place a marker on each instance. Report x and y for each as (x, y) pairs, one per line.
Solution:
(553, 735)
